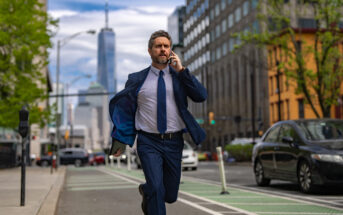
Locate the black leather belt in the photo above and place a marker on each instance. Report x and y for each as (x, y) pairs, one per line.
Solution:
(168, 136)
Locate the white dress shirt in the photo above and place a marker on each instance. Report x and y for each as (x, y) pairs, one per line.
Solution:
(146, 114)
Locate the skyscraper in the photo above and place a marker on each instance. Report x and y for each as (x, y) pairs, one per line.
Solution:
(106, 56)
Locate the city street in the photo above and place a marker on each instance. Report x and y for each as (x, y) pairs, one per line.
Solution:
(109, 190)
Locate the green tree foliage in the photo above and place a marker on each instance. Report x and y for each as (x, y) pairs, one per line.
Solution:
(319, 86)
(24, 39)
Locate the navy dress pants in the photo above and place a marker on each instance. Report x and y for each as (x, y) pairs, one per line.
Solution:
(161, 163)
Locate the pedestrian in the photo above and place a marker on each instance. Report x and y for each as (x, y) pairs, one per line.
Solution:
(153, 105)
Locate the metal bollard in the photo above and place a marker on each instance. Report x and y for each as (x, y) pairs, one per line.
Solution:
(221, 170)
(111, 159)
(128, 155)
(106, 160)
(118, 162)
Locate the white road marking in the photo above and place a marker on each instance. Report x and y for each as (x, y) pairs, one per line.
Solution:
(212, 212)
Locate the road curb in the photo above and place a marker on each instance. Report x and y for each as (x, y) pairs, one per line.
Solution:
(49, 204)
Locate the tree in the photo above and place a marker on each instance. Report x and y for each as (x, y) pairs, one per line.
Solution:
(320, 83)
(24, 39)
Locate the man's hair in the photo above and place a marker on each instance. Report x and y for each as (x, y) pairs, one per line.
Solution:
(159, 33)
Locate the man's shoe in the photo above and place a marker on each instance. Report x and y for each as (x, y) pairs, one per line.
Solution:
(144, 202)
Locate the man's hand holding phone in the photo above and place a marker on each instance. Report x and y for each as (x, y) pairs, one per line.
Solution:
(175, 62)
(117, 148)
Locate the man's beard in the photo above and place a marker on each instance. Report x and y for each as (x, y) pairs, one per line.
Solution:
(159, 61)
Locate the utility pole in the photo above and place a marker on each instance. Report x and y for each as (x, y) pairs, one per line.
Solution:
(23, 131)
(252, 90)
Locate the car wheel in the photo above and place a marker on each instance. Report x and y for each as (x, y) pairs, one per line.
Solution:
(259, 175)
(194, 168)
(78, 163)
(45, 164)
(305, 177)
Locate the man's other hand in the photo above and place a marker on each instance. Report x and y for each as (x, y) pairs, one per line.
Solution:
(117, 148)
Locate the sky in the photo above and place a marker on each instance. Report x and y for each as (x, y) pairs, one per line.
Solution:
(133, 21)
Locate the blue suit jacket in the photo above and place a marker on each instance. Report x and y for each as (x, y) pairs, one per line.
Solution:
(123, 105)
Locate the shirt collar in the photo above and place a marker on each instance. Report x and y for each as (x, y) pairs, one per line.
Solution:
(157, 71)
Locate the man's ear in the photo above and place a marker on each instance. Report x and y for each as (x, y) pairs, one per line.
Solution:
(149, 50)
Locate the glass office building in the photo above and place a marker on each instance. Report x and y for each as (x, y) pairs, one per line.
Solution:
(106, 59)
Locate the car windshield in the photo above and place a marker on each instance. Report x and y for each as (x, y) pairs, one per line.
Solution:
(186, 146)
(322, 130)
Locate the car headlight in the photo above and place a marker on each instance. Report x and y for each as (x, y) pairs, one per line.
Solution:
(328, 158)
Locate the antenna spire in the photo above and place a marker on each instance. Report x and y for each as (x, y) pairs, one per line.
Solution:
(106, 14)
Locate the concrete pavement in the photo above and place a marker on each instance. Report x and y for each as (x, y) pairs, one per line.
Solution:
(42, 190)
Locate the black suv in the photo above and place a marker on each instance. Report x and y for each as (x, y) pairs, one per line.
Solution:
(76, 156)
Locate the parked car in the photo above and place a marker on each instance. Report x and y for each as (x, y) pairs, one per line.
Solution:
(44, 160)
(309, 152)
(76, 156)
(97, 158)
(189, 158)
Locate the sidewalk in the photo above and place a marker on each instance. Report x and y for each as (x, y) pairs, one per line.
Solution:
(41, 193)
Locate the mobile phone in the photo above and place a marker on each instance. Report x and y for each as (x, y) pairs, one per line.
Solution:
(170, 60)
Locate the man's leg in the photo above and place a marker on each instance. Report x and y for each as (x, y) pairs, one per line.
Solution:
(172, 168)
(150, 153)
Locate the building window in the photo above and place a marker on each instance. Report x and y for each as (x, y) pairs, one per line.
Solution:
(245, 8)
(238, 14)
(223, 4)
(254, 3)
(272, 108)
(224, 25)
(301, 108)
(208, 56)
(218, 53)
(255, 27)
(224, 48)
(211, 14)
(212, 35)
(230, 20)
(213, 56)
(231, 44)
(271, 85)
(217, 9)
(217, 31)
(282, 112)
(307, 23)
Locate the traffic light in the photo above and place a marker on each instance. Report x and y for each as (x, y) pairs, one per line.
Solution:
(66, 135)
(211, 118)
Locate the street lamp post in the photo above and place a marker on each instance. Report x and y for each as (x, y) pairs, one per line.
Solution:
(278, 73)
(61, 43)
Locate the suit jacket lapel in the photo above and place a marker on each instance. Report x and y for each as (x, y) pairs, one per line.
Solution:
(141, 78)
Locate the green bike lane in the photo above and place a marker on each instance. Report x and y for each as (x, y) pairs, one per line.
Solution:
(243, 201)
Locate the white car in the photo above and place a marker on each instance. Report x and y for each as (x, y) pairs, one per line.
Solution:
(189, 157)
